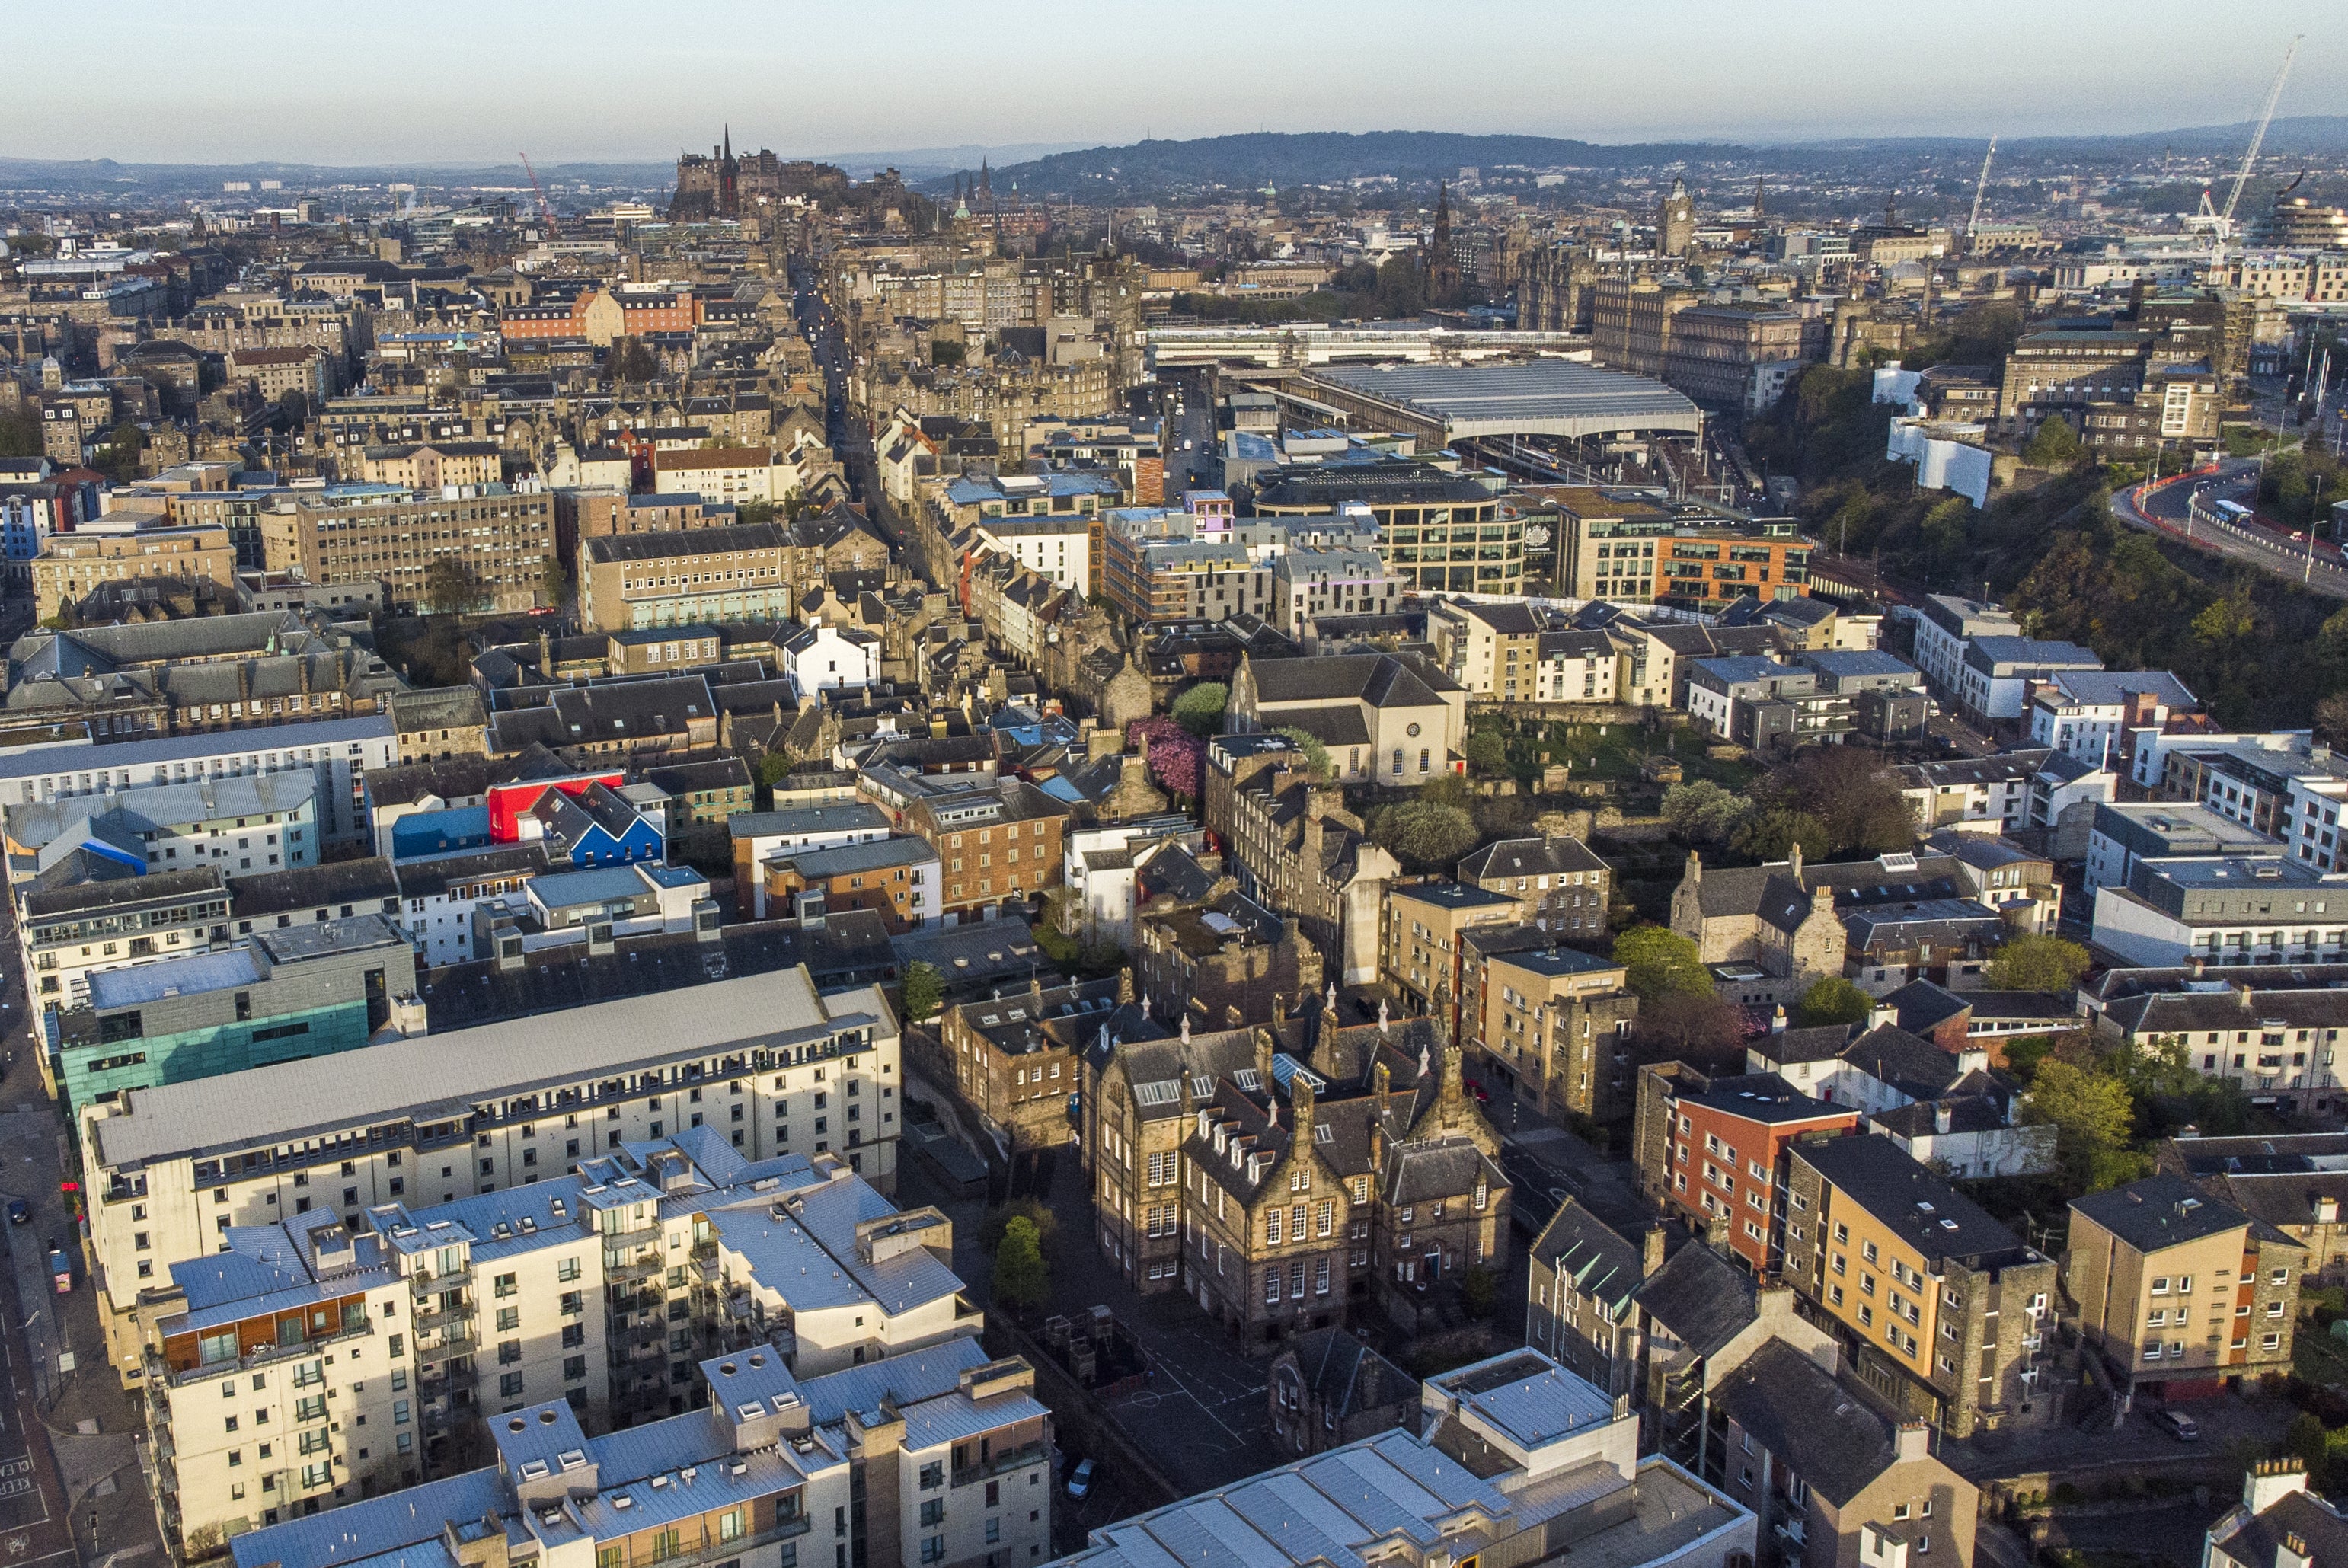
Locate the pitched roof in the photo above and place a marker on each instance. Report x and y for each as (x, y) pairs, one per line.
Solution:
(1811, 1424)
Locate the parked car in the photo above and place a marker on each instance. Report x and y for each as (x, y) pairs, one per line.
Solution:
(1080, 1480)
(2184, 1428)
(19, 1211)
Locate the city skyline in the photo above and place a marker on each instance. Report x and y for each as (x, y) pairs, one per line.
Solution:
(829, 85)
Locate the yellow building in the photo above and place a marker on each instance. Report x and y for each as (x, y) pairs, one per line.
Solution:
(73, 565)
(1940, 1308)
(2183, 1294)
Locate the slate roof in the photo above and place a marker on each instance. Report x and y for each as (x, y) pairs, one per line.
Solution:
(1344, 1376)
(1701, 1297)
(1601, 1263)
(2258, 1541)
(1919, 1207)
(1529, 858)
(1382, 680)
(2159, 1213)
(1811, 1424)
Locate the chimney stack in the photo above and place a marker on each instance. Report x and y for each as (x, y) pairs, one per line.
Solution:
(1651, 1252)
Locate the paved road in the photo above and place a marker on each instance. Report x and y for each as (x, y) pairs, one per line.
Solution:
(70, 1481)
(1197, 468)
(2166, 508)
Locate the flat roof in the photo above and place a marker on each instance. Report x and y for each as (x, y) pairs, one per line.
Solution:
(1547, 397)
(444, 1077)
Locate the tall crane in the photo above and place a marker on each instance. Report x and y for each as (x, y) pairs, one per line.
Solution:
(545, 207)
(1980, 189)
(2257, 137)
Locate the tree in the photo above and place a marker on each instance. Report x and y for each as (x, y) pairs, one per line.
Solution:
(2035, 963)
(632, 360)
(1199, 710)
(754, 511)
(1771, 833)
(1479, 1289)
(992, 1224)
(1703, 812)
(293, 405)
(1316, 756)
(1662, 963)
(1487, 752)
(451, 588)
(925, 988)
(1177, 757)
(1850, 791)
(19, 436)
(554, 582)
(2056, 445)
(1691, 1026)
(1021, 1277)
(1426, 834)
(2093, 1116)
(1832, 1000)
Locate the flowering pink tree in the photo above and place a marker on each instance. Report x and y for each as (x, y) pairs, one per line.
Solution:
(1177, 757)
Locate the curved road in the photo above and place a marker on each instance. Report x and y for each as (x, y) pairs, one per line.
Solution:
(2163, 507)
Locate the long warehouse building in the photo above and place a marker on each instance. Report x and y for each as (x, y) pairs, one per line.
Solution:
(1441, 404)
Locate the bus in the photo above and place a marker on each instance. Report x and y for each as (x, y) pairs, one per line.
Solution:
(2233, 513)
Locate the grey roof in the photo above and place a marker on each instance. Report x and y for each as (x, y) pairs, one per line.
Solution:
(56, 903)
(1602, 1264)
(1701, 1298)
(846, 860)
(2159, 1213)
(1919, 1207)
(445, 1075)
(327, 886)
(1382, 680)
(1529, 858)
(148, 808)
(690, 542)
(2258, 1541)
(839, 816)
(1544, 396)
(439, 707)
(329, 736)
(1811, 1424)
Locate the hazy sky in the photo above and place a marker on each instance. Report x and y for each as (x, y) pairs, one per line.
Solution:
(333, 82)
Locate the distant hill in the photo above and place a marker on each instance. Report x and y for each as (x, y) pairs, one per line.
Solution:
(1257, 158)
(1254, 160)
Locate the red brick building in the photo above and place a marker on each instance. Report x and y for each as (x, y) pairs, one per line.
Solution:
(1715, 1148)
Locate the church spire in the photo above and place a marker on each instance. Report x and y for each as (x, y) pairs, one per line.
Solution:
(729, 142)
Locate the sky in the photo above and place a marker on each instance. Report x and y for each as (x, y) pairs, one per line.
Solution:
(329, 82)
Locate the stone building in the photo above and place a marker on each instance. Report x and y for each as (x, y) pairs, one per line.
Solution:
(1221, 964)
(1016, 1057)
(1297, 849)
(1327, 1389)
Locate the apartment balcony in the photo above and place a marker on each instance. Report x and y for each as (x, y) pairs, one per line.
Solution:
(628, 1241)
(439, 1318)
(630, 1273)
(160, 1375)
(456, 1338)
(435, 1284)
(1009, 1460)
(440, 1385)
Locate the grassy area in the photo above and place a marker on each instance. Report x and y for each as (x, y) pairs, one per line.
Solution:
(1611, 752)
(2318, 1357)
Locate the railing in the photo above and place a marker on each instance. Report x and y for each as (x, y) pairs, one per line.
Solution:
(1009, 1460)
(434, 1285)
(627, 1274)
(454, 1340)
(425, 1322)
(162, 1373)
(622, 1241)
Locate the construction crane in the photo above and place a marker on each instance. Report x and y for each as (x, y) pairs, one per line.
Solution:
(1980, 189)
(545, 207)
(2257, 137)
